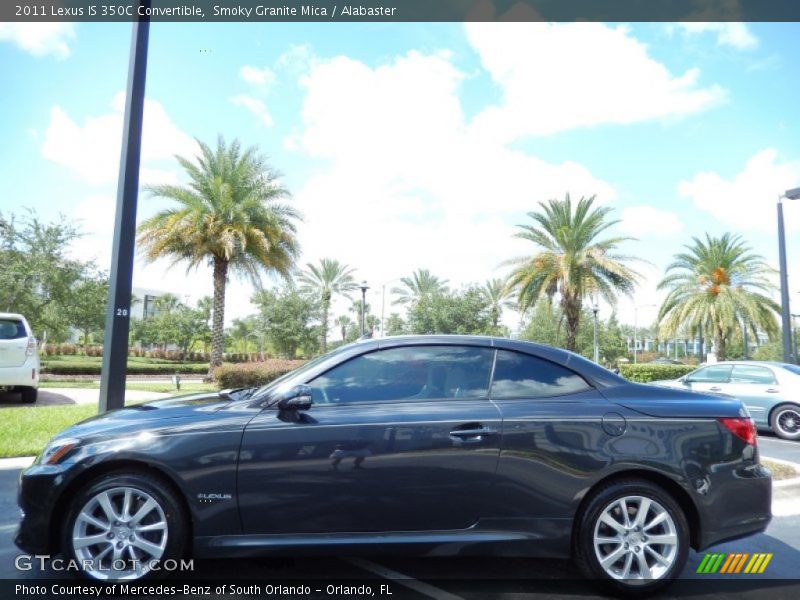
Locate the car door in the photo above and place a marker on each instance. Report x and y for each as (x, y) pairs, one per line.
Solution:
(399, 439)
(757, 387)
(553, 436)
(713, 378)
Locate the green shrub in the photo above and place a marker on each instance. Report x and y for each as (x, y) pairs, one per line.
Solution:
(134, 368)
(644, 373)
(243, 375)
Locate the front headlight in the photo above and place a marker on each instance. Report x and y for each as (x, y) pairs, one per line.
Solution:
(56, 450)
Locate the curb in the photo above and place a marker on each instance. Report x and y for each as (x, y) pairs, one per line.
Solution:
(786, 491)
(18, 462)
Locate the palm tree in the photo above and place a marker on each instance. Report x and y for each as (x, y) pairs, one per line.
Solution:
(570, 260)
(420, 283)
(343, 322)
(232, 216)
(327, 278)
(498, 295)
(715, 286)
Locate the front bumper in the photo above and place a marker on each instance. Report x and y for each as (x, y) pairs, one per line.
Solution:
(39, 489)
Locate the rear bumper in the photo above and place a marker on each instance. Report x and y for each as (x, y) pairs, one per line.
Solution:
(740, 506)
(25, 375)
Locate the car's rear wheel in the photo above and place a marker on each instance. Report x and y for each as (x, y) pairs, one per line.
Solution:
(29, 394)
(785, 421)
(632, 536)
(125, 525)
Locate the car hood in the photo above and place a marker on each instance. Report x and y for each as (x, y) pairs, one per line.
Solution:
(668, 402)
(155, 414)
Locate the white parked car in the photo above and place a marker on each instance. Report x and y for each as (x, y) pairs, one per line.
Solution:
(769, 390)
(19, 360)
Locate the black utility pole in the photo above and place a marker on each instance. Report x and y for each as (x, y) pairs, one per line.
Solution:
(115, 345)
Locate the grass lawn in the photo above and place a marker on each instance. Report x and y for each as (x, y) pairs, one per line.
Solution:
(779, 470)
(166, 387)
(25, 431)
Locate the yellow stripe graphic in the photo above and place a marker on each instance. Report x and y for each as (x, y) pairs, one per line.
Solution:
(752, 562)
(765, 563)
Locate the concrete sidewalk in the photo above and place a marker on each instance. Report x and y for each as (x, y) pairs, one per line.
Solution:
(61, 396)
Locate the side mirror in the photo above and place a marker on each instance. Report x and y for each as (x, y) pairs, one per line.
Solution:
(685, 380)
(296, 398)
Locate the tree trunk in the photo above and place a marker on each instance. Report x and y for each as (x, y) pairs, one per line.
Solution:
(326, 306)
(722, 349)
(572, 312)
(218, 320)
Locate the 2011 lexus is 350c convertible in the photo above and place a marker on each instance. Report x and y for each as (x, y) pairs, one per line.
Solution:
(443, 445)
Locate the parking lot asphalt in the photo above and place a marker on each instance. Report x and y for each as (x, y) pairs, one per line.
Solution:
(448, 578)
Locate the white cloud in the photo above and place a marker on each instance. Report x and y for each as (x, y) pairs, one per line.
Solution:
(296, 59)
(255, 106)
(405, 182)
(40, 39)
(645, 220)
(92, 149)
(257, 76)
(733, 35)
(556, 77)
(747, 200)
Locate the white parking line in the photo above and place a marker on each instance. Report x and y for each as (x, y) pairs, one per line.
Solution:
(406, 580)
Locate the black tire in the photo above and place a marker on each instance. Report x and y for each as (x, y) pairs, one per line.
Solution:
(177, 529)
(780, 418)
(29, 394)
(586, 523)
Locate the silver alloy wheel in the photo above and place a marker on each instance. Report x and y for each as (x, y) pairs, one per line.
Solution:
(120, 532)
(788, 421)
(635, 539)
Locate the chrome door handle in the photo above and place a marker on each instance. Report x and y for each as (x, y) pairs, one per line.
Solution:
(772, 391)
(471, 433)
(715, 388)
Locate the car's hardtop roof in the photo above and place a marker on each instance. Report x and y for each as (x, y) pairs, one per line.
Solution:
(585, 367)
(16, 316)
(771, 363)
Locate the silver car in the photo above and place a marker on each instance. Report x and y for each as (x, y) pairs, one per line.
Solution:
(770, 390)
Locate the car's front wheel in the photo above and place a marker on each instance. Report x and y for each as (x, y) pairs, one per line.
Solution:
(785, 421)
(632, 536)
(124, 525)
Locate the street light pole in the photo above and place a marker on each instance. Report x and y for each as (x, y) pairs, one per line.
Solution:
(636, 325)
(117, 324)
(364, 287)
(595, 310)
(786, 333)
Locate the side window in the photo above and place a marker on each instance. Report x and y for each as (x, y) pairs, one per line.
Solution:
(523, 376)
(712, 374)
(752, 374)
(407, 373)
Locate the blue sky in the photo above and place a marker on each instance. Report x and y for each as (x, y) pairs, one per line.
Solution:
(422, 145)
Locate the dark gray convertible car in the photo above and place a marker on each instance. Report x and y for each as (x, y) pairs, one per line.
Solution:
(444, 444)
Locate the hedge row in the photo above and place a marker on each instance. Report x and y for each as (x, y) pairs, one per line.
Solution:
(134, 368)
(246, 375)
(644, 373)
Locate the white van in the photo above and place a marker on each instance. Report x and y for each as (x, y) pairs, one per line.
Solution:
(19, 360)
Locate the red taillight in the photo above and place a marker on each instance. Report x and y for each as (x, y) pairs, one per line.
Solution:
(742, 427)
